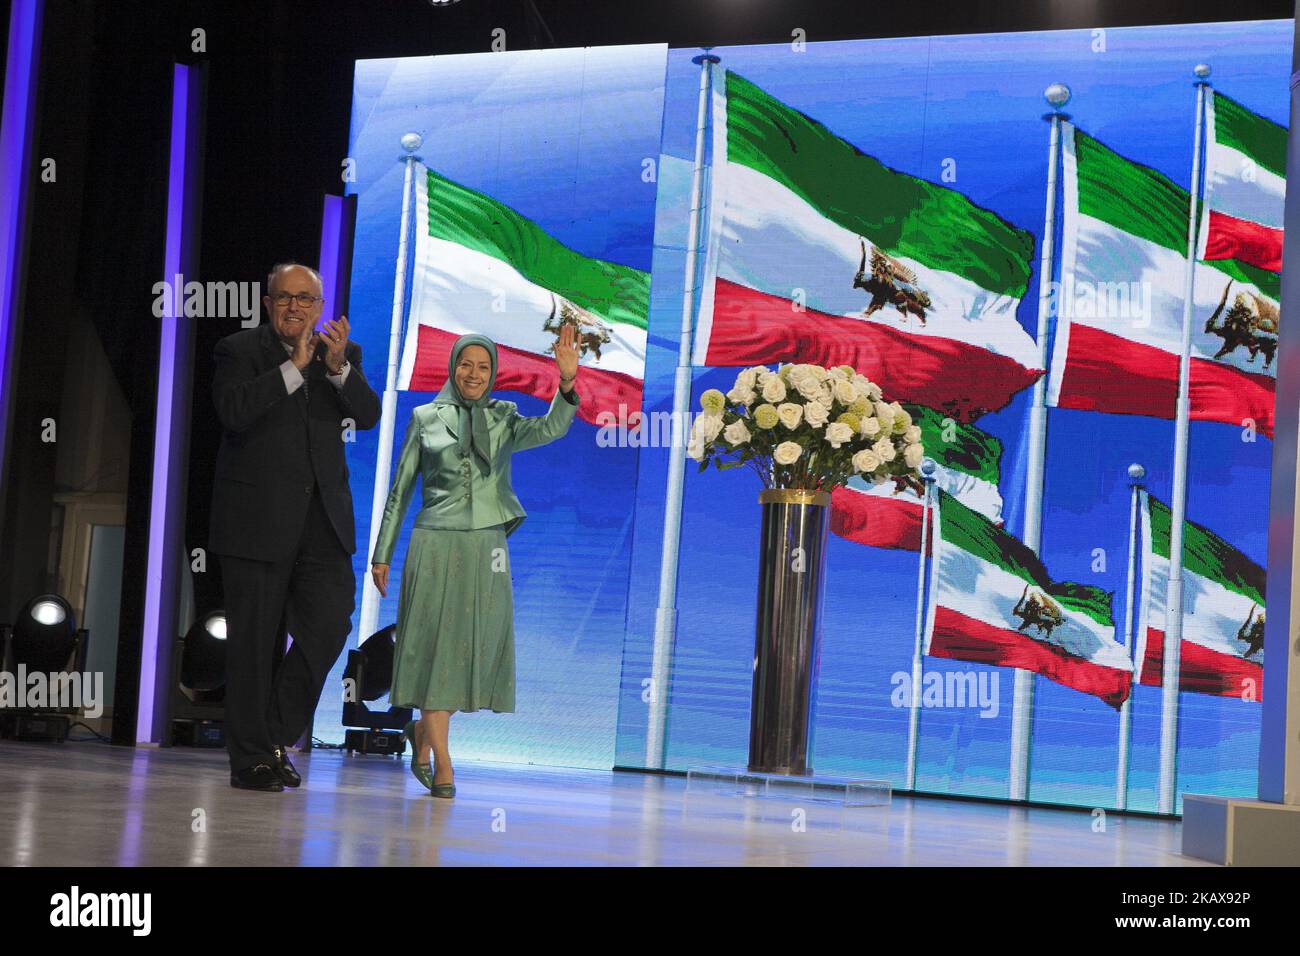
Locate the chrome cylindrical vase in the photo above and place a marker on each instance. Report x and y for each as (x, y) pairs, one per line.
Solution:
(787, 639)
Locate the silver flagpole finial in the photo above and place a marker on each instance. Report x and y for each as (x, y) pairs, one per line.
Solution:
(1202, 71)
(928, 466)
(412, 141)
(1057, 95)
(1136, 472)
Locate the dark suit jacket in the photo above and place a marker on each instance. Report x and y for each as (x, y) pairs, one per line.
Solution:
(275, 447)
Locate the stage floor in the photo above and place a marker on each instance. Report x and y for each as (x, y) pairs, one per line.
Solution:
(92, 804)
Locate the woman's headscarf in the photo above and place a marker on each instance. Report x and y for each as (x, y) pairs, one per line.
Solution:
(472, 426)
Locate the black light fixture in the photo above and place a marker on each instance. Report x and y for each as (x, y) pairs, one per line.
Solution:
(366, 677)
(43, 640)
(198, 699)
(203, 657)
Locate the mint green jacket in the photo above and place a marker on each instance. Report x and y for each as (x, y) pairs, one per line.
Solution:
(456, 494)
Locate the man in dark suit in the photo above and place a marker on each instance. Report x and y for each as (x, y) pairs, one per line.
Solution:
(288, 397)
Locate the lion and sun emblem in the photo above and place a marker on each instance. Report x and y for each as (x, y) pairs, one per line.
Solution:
(590, 332)
(889, 282)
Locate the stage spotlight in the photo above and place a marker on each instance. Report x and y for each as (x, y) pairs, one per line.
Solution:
(375, 664)
(49, 612)
(198, 699)
(203, 656)
(366, 677)
(45, 636)
(45, 641)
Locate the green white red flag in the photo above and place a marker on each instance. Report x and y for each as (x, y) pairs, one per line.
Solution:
(480, 266)
(1119, 304)
(1222, 648)
(820, 253)
(1245, 185)
(992, 602)
(968, 462)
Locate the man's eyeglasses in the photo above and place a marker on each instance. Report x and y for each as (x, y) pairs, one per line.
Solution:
(304, 299)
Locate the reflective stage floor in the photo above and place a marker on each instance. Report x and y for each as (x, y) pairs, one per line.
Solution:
(98, 805)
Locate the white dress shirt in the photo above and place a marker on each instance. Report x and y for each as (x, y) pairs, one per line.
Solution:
(293, 379)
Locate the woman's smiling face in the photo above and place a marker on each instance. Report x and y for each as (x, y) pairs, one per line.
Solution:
(473, 372)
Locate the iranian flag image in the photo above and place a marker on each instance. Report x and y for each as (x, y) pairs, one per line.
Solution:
(886, 516)
(1245, 185)
(1119, 305)
(482, 267)
(819, 253)
(992, 602)
(1222, 650)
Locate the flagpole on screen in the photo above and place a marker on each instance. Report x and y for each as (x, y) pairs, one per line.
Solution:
(1171, 660)
(665, 636)
(1022, 705)
(1135, 475)
(369, 622)
(914, 706)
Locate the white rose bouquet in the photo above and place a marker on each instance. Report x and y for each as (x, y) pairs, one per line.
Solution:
(806, 427)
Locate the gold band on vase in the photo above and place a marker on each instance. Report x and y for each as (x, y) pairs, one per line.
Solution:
(793, 496)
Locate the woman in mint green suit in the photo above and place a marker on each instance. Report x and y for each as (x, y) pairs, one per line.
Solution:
(455, 645)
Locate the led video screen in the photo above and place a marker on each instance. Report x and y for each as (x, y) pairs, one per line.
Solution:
(881, 204)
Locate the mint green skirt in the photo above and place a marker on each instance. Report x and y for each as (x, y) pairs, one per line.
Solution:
(455, 645)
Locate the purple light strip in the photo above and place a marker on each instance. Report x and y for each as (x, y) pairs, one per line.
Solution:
(336, 227)
(17, 125)
(166, 515)
(331, 238)
(338, 224)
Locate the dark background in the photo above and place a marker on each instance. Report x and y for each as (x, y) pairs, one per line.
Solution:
(279, 83)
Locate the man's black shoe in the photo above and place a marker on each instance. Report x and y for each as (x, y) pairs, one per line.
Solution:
(258, 777)
(285, 769)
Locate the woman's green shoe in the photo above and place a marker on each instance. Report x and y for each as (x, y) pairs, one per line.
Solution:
(423, 772)
(446, 790)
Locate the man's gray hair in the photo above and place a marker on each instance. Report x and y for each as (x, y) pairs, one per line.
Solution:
(281, 266)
